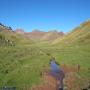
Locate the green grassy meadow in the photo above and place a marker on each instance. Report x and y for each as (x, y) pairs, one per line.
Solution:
(21, 64)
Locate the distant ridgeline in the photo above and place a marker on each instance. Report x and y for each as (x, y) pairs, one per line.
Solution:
(6, 27)
(4, 40)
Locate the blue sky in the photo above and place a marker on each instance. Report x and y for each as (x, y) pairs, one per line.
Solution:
(61, 15)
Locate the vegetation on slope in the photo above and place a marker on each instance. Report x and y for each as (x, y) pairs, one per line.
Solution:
(21, 65)
(9, 38)
(78, 35)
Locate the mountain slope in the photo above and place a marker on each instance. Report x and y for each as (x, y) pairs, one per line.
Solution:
(21, 66)
(80, 34)
(38, 35)
(9, 37)
(35, 35)
(52, 35)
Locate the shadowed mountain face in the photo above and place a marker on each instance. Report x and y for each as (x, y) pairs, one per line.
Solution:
(38, 35)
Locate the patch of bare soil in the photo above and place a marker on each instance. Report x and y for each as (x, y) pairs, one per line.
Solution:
(50, 83)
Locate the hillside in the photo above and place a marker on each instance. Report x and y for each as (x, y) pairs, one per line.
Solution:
(37, 35)
(80, 34)
(9, 37)
(21, 65)
(52, 35)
